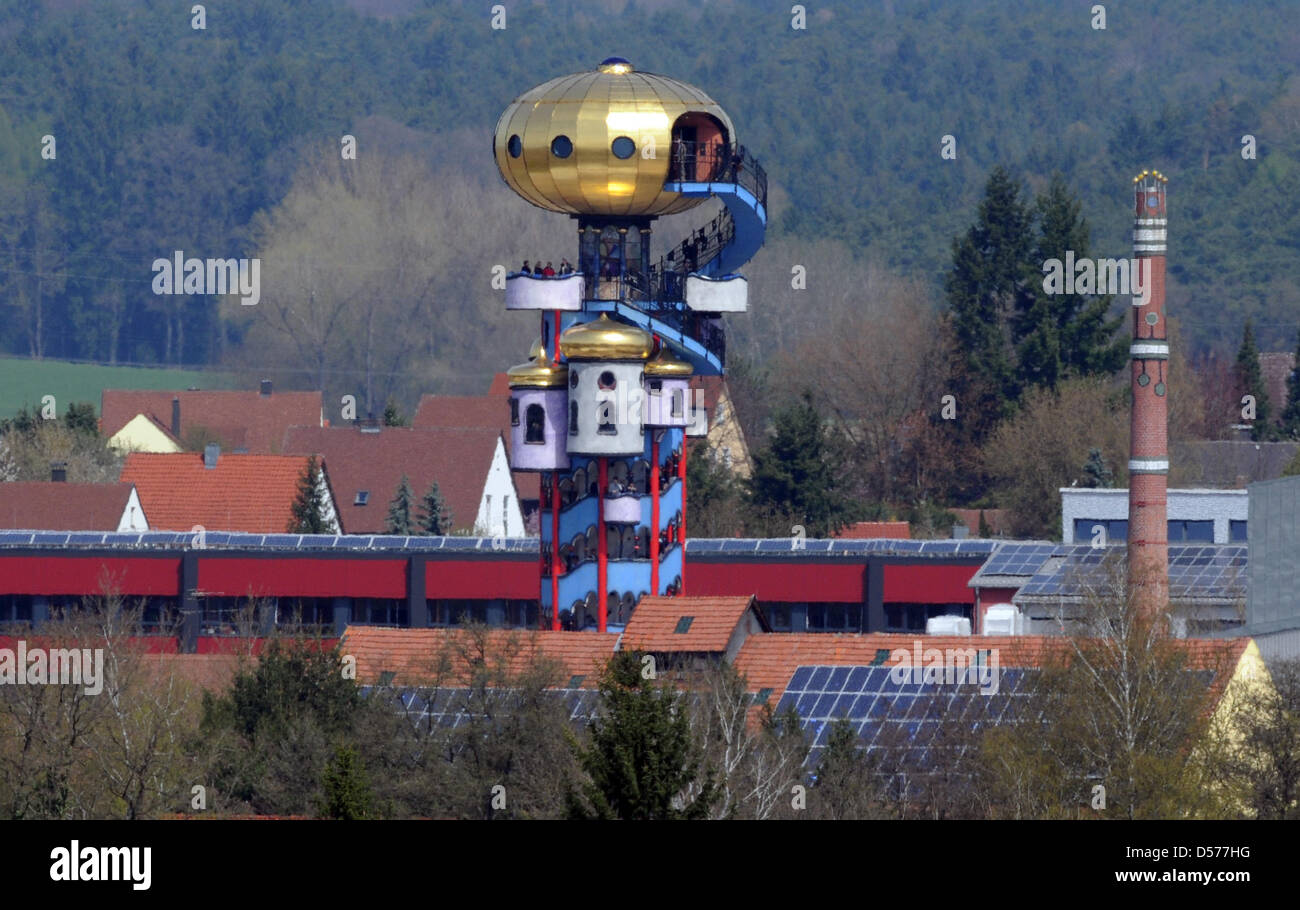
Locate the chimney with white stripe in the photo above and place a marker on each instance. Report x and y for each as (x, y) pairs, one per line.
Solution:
(1148, 466)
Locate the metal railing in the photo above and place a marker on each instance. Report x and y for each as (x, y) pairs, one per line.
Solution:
(717, 162)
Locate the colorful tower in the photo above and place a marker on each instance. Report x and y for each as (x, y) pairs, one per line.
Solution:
(603, 408)
(1148, 466)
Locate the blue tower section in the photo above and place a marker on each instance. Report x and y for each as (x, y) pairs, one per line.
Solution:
(604, 408)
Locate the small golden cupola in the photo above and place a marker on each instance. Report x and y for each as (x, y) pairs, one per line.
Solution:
(604, 339)
(667, 365)
(540, 372)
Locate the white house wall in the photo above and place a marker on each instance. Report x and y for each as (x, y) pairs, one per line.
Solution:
(1219, 506)
(498, 509)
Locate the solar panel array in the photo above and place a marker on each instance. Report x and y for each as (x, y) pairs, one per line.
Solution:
(1019, 558)
(906, 718)
(1195, 570)
(840, 547)
(451, 707)
(696, 546)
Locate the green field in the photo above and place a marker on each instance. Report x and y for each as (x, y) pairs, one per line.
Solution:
(26, 382)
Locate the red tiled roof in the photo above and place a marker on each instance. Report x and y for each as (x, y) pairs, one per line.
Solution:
(887, 530)
(475, 411)
(458, 459)
(713, 387)
(500, 384)
(768, 661)
(50, 506)
(654, 623)
(213, 672)
(253, 493)
(415, 655)
(240, 419)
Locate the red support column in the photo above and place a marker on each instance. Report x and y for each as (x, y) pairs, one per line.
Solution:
(602, 545)
(654, 513)
(555, 552)
(681, 530)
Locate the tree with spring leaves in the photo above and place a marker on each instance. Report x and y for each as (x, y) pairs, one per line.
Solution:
(643, 761)
(1291, 414)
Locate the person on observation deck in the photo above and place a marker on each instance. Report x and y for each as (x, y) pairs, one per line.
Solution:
(548, 272)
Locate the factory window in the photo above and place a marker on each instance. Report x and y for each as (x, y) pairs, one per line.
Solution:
(1191, 531)
(535, 432)
(15, 608)
(778, 616)
(573, 418)
(1115, 529)
(379, 611)
(834, 617)
(561, 147)
(515, 146)
(904, 617)
(514, 412)
(623, 147)
(1237, 531)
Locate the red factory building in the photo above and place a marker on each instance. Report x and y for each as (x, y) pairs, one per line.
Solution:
(208, 590)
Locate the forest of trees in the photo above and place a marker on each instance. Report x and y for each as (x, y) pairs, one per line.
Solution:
(225, 141)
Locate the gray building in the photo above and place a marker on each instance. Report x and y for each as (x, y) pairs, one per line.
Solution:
(1195, 516)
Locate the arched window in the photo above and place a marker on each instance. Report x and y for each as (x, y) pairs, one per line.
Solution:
(535, 431)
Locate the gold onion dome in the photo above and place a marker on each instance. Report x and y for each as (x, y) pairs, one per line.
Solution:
(666, 365)
(605, 339)
(540, 372)
(581, 144)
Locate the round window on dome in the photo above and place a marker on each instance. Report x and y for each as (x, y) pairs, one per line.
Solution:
(623, 147)
(561, 147)
(515, 146)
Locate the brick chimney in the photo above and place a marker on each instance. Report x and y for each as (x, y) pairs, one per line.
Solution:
(1148, 466)
(58, 471)
(176, 416)
(266, 388)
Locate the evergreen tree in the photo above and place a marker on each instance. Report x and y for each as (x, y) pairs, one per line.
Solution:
(797, 476)
(80, 418)
(987, 284)
(400, 517)
(1250, 380)
(346, 793)
(1095, 471)
(1061, 336)
(848, 780)
(435, 517)
(643, 762)
(393, 417)
(1291, 414)
(309, 506)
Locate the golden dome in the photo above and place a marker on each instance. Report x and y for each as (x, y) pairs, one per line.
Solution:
(666, 365)
(540, 372)
(605, 339)
(579, 143)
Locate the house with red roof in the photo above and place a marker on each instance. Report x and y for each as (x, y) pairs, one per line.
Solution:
(219, 491)
(59, 506)
(242, 422)
(366, 465)
(490, 412)
(698, 627)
